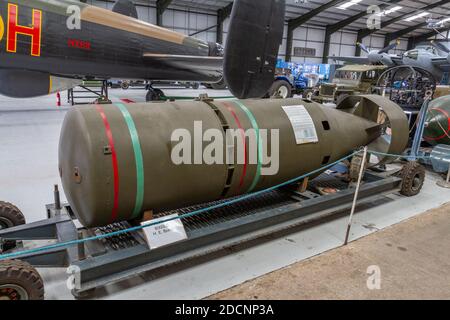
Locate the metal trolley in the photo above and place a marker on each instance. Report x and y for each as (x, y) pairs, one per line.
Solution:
(101, 262)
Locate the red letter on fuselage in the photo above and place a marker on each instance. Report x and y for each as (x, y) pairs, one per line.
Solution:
(14, 29)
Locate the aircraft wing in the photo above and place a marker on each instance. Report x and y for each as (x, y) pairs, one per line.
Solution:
(442, 63)
(203, 68)
(388, 60)
(354, 60)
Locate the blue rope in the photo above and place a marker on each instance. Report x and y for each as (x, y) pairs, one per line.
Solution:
(408, 157)
(193, 213)
(187, 215)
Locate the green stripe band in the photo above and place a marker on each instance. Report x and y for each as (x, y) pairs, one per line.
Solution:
(259, 143)
(139, 160)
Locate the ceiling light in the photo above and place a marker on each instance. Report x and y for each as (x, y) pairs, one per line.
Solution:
(444, 21)
(349, 4)
(389, 11)
(417, 16)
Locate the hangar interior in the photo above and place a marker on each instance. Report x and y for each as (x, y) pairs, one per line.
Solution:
(406, 238)
(312, 23)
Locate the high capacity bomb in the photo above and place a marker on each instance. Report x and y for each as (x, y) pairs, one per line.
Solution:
(118, 161)
(437, 122)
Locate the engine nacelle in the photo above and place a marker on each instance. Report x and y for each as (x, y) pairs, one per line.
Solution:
(27, 84)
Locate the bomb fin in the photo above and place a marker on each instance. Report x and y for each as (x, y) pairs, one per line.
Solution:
(387, 117)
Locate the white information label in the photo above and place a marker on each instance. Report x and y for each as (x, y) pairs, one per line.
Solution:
(302, 124)
(165, 233)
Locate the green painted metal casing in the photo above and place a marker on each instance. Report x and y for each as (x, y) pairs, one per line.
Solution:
(98, 196)
(437, 123)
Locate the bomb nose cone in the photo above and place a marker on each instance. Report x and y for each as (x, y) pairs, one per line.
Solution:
(437, 128)
(77, 165)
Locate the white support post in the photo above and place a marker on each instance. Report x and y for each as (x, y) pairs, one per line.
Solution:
(446, 183)
(355, 198)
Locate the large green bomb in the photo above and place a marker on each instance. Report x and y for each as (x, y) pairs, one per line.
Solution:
(437, 123)
(117, 161)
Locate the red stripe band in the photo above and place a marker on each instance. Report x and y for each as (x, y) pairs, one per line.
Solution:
(109, 135)
(241, 129)
(125, 100)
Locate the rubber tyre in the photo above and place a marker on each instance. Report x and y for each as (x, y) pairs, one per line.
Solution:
(21, 274)
(195, 85)
(221, 85)
(413, 177)
(10, 216)
(154, 95)
(125, 85)
(277, 85)
(308, 95)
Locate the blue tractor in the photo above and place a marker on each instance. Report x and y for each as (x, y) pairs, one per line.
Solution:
(293, 78)
(286, 85)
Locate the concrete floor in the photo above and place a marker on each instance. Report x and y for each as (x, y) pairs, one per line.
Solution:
(29, 131)
(412, 258)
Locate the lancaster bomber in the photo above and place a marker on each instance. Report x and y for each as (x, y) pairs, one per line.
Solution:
(48, 46)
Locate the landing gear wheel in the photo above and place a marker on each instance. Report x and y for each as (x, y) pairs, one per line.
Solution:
(154, 95)
(125, 85)
(413, 177)
(221, 85)
(195, 85)
(10, 216)
(281, 88)
(20, 281)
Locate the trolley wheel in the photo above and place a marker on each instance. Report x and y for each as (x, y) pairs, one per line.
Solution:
(413, 177)
(20, 281)
(10, 216)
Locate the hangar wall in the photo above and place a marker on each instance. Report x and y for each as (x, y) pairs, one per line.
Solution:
(192, 21)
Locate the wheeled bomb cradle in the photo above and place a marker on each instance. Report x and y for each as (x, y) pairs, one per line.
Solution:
(105, 261)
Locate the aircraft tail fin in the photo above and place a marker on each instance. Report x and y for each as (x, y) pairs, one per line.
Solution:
(125, 7)
(254, 37)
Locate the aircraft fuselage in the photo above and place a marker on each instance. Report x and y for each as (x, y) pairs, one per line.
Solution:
(35, 35)
(423, 59)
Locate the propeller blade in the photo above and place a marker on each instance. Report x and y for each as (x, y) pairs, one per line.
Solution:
(389, 47)
(440, 46)
(363, 47)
